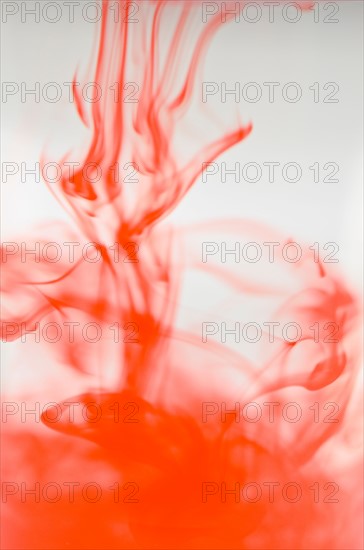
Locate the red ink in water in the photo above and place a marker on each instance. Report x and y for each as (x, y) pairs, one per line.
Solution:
(171, 477)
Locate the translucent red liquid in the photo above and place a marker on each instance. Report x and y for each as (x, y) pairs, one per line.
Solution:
(170, 480)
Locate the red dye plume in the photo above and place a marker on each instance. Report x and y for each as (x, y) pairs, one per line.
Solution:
(194, 444)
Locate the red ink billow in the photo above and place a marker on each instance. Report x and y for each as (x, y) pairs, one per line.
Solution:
(150, 436)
